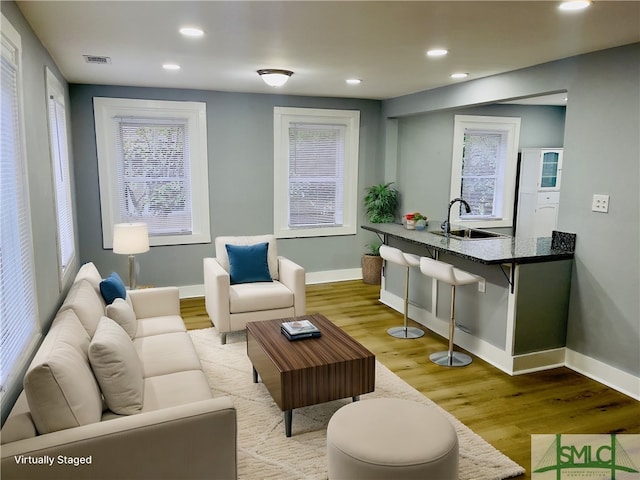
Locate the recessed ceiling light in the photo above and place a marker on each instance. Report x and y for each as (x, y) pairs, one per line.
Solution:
(191, 32)
(437, 52)
(459, 75)
(171, 66)
(573, 5)
(354, 81)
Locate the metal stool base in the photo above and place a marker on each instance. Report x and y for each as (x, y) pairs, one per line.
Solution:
(455, 359)
(405, 332)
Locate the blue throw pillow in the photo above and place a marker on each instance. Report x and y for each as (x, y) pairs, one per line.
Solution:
(113, 287)
(248, 263)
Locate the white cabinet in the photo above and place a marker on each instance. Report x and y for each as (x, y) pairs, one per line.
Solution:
(539, 191)
(545, 219)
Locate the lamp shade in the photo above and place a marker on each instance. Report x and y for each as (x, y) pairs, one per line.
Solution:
(130, 238)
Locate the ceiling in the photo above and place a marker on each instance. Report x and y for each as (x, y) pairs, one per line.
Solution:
(383, 43)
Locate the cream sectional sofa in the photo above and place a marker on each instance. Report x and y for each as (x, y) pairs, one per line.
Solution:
(64, 425)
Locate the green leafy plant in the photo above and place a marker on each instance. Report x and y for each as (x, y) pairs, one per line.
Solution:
(381, 202)
(415, 216)
(373, 249)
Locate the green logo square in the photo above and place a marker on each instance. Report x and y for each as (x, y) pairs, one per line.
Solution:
(597, 456)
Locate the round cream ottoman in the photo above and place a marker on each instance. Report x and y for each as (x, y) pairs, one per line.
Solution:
(388, 438)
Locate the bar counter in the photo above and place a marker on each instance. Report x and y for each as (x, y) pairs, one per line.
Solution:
(490, 251)
(517, 321)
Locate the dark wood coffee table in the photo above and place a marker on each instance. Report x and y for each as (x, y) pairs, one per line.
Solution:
(307, 372)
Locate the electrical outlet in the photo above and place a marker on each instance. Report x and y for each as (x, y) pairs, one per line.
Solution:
(482, 285)
(600, 203)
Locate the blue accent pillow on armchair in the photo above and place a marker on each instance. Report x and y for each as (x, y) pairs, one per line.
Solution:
(113, 287)
(248, 263)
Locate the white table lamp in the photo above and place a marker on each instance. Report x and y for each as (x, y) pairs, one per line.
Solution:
(129, 239)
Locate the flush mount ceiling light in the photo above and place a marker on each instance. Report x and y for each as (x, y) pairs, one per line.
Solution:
(171, 66)
(573, 5)
(458, 76)
(353, 81)
(274, 77)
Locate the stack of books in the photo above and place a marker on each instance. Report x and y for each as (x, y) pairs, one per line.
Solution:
(299, 329)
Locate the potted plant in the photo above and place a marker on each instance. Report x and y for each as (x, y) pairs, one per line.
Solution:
(372, 264)
(381, 202)
(421, 221)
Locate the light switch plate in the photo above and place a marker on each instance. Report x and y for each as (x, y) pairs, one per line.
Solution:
(600, 203)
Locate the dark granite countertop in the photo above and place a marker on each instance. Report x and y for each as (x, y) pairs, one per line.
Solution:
(489, 251)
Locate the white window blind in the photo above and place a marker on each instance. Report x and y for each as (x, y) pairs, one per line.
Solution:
(61, 175)
(316, 175)
(18, 310)
(315, 172)
(154, 174)
(153, 168)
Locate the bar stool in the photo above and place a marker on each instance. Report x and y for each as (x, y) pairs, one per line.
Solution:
(406, 260)
(447, 273)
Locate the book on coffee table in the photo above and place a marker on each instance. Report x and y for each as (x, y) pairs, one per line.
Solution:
(299, 336)
(297, 327)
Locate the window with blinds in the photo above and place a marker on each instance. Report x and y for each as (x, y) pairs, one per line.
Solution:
(483, 169)
(18, 307)
(315, 172)
(316, 175)
(61, 175)
(152, 161)
(154, 175)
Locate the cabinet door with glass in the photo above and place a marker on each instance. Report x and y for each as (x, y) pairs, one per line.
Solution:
(550, 169)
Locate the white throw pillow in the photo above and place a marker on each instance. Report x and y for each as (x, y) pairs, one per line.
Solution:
(61, 389)
(117, 368)
(122, 313)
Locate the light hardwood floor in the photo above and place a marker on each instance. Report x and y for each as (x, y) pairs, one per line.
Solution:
(504, 410)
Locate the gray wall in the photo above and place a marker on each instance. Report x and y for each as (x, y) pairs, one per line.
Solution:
(425, 149)
(240, 147)
(602, 155)
(48, 288)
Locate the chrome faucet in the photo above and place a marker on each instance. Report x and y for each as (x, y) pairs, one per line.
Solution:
(446, 225)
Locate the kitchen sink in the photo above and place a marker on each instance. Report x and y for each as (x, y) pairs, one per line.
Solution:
(470, 234)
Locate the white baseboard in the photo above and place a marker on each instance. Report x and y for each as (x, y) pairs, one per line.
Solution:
(589, 367)
(191, 291)
(612, 377)
(537, 361)
(480, 348)
(606, 374)
(333, 276)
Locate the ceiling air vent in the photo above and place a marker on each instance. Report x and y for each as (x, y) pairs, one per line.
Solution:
(96, 59)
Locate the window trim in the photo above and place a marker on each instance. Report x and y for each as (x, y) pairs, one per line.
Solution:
(54, 91)
(282, 117)
(503, 125)
(105, 110)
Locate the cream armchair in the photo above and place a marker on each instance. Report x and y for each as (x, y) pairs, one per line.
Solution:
(231, 306)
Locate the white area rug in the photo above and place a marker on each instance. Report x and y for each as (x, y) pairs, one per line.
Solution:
(264, 452)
